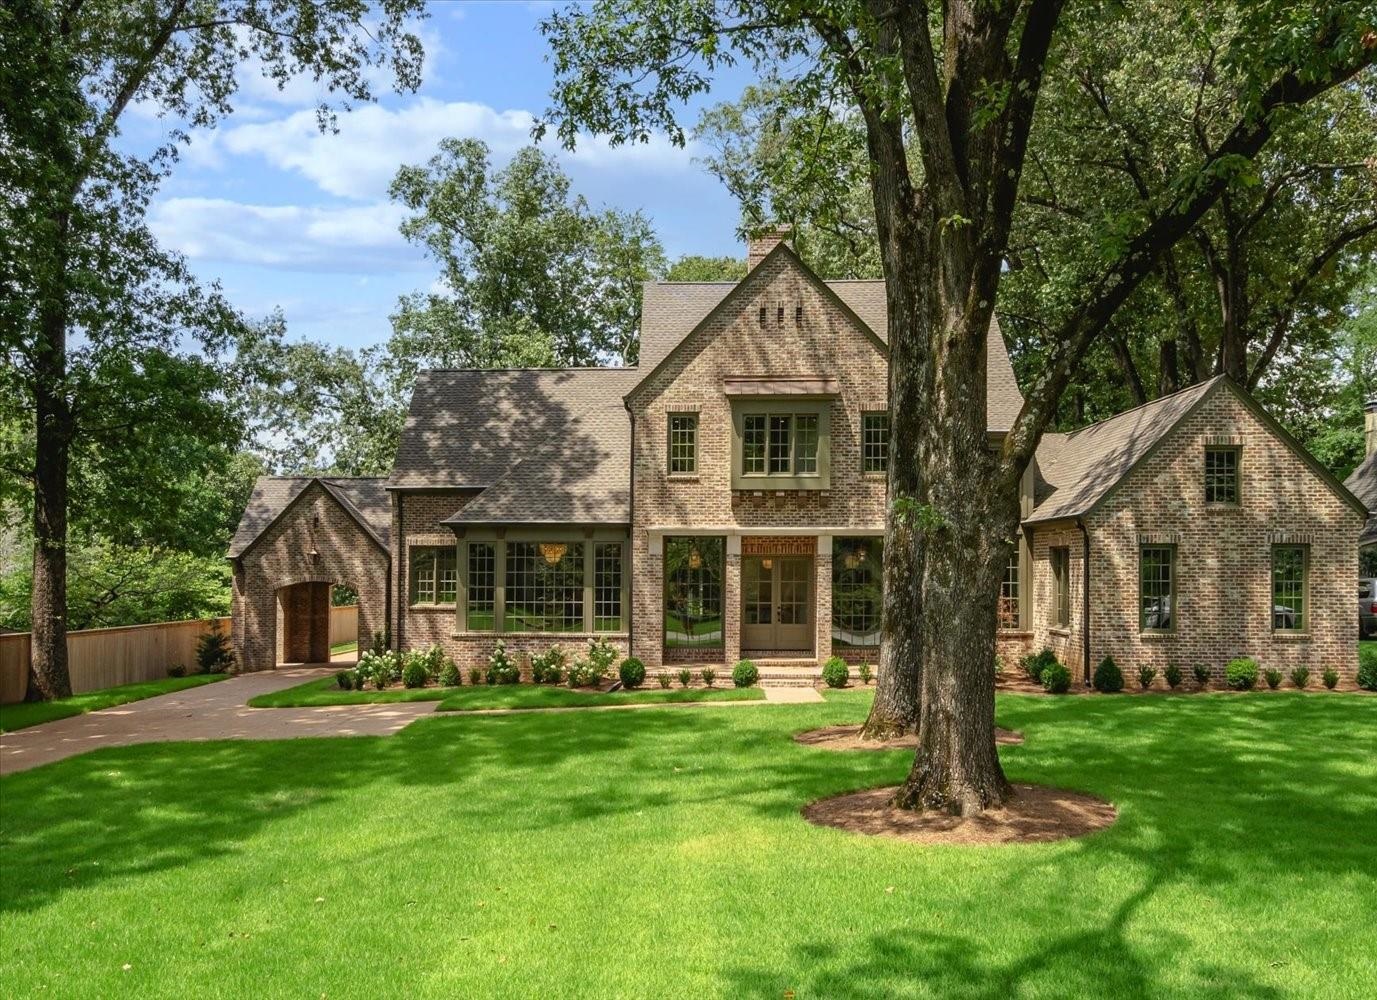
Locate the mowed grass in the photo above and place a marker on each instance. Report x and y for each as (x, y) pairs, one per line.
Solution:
(326, 691)
(32, 713)
(630, 854)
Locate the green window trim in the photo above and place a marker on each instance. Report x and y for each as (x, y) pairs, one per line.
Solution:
(857, 590)
(694, 577)
(434, 576)
(584, 591)
(781, 444)
(1157, 604)
(682, 444)
(1060, 559)
(1290, 611)
(875, 442)
(1223, 476)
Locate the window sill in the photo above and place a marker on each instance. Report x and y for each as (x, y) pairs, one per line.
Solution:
(554, 636)
(1291, 636)
(682, 477)
(431, 607)
(1060, 630)
(1015, 633)
(1223, 507)
(1156, 636)
(880, 476)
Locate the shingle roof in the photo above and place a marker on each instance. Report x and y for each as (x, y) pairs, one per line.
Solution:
(1076, 470)
(1362, 483)
(365, 499)
(672, 309)
(543, 445)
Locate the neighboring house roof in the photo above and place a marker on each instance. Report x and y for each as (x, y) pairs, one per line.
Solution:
(671, 310)
(1362, 483)
(1077, 471)
(363, 498)
(542, 445)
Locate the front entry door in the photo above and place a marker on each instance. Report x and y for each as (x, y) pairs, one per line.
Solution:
(777, 602)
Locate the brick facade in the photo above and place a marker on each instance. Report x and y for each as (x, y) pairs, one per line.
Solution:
(1224, 554)
(265, 579)
(805, 334)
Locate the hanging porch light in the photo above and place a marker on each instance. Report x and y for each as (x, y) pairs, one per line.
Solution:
(553, 552)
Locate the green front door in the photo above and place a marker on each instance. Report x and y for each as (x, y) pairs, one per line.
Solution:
(777, 603)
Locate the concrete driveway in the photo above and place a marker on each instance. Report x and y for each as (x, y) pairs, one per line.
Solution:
(211, 712)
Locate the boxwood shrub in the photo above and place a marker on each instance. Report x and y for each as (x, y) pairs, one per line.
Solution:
(744, 674)
(1109, 679)
(1056, 679)
(1367, 667)
(1034, 663)
(631, 672)
(414, 674)
(835, 672)
(1241, 673)
(1172, 675)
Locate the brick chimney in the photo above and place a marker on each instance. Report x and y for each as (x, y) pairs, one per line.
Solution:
(763, 241)
(1370, 424)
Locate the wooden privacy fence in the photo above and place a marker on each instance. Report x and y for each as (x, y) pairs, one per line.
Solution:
(344, 624)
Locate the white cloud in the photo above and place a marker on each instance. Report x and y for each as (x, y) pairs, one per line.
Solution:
(350, 238)
(372, 142)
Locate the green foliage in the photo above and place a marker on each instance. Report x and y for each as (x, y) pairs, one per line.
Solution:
(548, 667)
(631, 672)
(709, 675)
(1035, 663)
(501, 668)
(1273, 678)
(692, 267)
(1241, 673)
(1056, 679)
(1108, 679)
(428, 661)
(685, 676)
(1300, 677)
(449, 674)
(1202, 675)
(1173, 676)
(1331, 678)
(177, 670)
(1146, 675)
(745, 674)
(1367, 667)
(476, 675)
(378, 669)
(213, 652)
(835, 672)
(865, 673)
(344, 679)
(664, 679)
(414, 674)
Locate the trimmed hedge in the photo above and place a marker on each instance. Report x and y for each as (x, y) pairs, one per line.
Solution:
(1241, 674)
(1108, 679)
(745, 674)
(835, 672)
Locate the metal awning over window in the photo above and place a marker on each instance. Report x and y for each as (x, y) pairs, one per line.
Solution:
(789, 386)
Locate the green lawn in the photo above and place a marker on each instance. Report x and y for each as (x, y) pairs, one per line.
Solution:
(352, 646)
(14, 717)
(326, 691)
(610, 854)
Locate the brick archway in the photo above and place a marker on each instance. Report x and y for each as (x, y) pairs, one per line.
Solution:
(303, 614)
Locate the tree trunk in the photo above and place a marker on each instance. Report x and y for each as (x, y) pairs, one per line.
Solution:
(974, 519)
(48, 674)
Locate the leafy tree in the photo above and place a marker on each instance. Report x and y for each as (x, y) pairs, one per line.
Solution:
(93, 311)
(532, 276)
(959, 88)
(692, 267)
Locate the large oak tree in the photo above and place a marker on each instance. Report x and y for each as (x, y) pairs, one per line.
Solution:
(948, 95)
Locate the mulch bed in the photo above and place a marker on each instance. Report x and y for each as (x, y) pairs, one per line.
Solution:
(1035, 815)
(849, 738)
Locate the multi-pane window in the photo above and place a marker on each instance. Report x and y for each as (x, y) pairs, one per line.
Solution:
(1221, 475)
(780, 444)
(875, 442)
(1156, 588)
(693, 592)
(607, 587)
(1009, 602)
(482, 590)
(753, 444)
(1290, 581)
(1060, 558)
(434, 575)
(857, 589)
(683, 444)
(544, 589)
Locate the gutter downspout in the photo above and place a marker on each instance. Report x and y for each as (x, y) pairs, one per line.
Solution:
(1085, 602)
(631, 535)
(401, 568)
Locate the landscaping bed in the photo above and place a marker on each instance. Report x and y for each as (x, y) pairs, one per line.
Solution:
(533, 696)
(33, 713)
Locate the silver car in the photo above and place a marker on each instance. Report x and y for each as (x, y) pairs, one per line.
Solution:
(1367, 608)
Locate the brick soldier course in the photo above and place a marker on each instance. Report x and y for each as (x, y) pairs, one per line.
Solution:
(688, 509)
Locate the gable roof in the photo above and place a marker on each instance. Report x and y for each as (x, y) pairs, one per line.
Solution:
(363, 498)
(672, 310)
(1077, 471)
(1362, 483)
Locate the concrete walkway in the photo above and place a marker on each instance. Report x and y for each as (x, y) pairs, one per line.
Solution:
(211, 712)
(791, 695)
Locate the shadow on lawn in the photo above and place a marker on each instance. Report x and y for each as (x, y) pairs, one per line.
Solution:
(1214, 792)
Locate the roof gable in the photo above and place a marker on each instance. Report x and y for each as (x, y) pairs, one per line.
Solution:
(1079, 471)
(363, 499)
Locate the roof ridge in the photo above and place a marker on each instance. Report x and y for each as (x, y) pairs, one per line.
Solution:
(1143, 406)
(535, 371)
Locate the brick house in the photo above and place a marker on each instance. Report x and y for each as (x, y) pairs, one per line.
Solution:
(726, 498)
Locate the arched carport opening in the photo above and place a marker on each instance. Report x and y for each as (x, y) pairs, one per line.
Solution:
(303, 622)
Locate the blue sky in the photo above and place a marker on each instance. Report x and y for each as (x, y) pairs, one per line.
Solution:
(284, 216)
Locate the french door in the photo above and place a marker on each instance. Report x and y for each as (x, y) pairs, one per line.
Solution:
(777, 602)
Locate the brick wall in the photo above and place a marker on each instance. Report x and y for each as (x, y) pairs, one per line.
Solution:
(1067, 641)
(826, 343)
(280, 558)
(416, 517)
